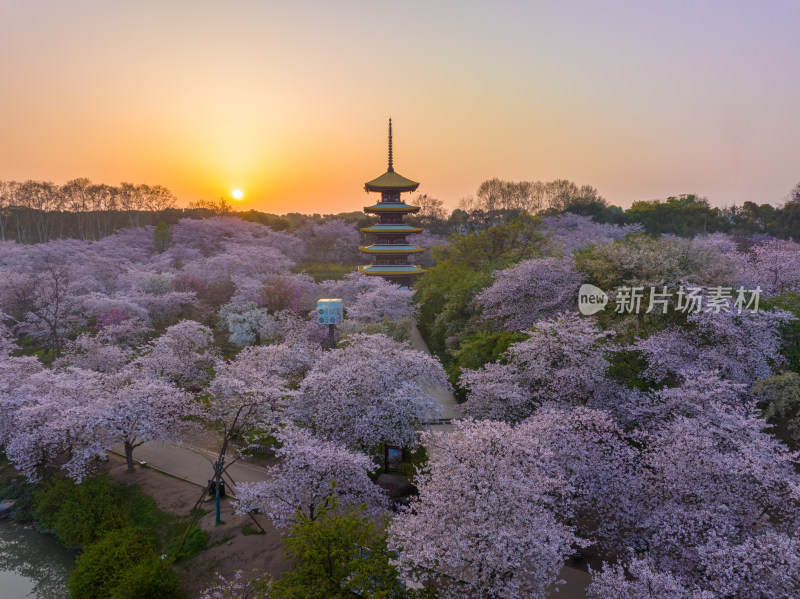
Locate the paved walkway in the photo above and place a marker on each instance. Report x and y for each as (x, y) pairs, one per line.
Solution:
(191, 464)
(450, 408)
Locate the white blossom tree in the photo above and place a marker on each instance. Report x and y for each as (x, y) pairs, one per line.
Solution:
(531, 291)
(369, 392)
(562, 361)
(309, 472)
(485, 523)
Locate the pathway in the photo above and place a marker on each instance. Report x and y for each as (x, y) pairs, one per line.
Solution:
(191, 464)
(447, 401)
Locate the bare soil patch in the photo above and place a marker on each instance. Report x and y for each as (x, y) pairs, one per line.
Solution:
(230, 549)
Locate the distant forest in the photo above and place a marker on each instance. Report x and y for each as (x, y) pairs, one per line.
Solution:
(38, 211)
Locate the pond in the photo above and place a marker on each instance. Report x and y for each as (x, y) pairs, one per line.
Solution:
(32, 565)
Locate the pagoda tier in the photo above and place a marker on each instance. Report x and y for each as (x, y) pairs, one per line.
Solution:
(390, 250)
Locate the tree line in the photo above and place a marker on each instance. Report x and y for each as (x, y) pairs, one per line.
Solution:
(38, 211)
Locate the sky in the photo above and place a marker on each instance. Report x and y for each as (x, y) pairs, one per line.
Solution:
(289, 101)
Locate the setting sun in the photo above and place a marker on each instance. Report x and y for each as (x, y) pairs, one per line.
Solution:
(237, 194)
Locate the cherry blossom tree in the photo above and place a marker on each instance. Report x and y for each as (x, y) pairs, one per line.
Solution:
(350, 287)
(6, 341)
(485, 523)
(50, 423)
(331, 241)
(369, 392)
(426, 240)
(777, 265)
(237, 587)
(247, 323)
(646, 261)
(15, 376)
(587, 449)
(249, 394)
(43, 303)
(281, 292)
(133, 411)
(385, 302)
(718, 476)
(183, 354)
(562, 361)
(290, 245)
(531, 291)
(309, 473)
(639, 579)
(95, 353)
(742, 347)
(211, 235)
(697, 393)
(764, 566)
(572, 231)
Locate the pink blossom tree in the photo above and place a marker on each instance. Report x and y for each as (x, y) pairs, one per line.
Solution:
(764, 566)
(133, 411)
(43, 303)
(369, 392)
(777, 265)
(531, 291)
(331, 241)
(95, 353)
(236, 587)
(184, 354)
(15, 376)
(563, 361)
(485, 523)
(587, 449)
(249, 394)
(6, 341)
(50, 424)
(718, 476)
(698, 393)
(742, 347)
(572, 231)
(350, 287)
(385, 302)
(639, 579)
(309, 472)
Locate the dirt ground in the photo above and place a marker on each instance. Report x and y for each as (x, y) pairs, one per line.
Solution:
(230, 549)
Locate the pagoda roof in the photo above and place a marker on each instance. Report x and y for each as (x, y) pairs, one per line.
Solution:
(382, 270)
(399, 228)
(391, 181)
(391, 207)
(378, 248)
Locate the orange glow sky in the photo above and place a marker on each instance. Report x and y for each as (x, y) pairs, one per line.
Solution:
(288, 101)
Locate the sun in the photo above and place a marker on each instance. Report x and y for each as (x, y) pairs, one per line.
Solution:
(237, 194)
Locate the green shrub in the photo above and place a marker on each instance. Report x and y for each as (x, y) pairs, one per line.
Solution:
(791, 330)
(101, 568)
(81, 513)
(151, 578)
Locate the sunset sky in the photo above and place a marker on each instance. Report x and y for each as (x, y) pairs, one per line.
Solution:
(289, 101)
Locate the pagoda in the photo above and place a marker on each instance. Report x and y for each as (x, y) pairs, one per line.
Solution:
(390, 250)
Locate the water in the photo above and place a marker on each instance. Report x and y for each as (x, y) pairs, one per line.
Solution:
(32, 565)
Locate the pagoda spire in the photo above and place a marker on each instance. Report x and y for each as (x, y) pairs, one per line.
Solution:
(391, 166)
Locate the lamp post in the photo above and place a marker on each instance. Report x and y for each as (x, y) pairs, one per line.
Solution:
(330, 312)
